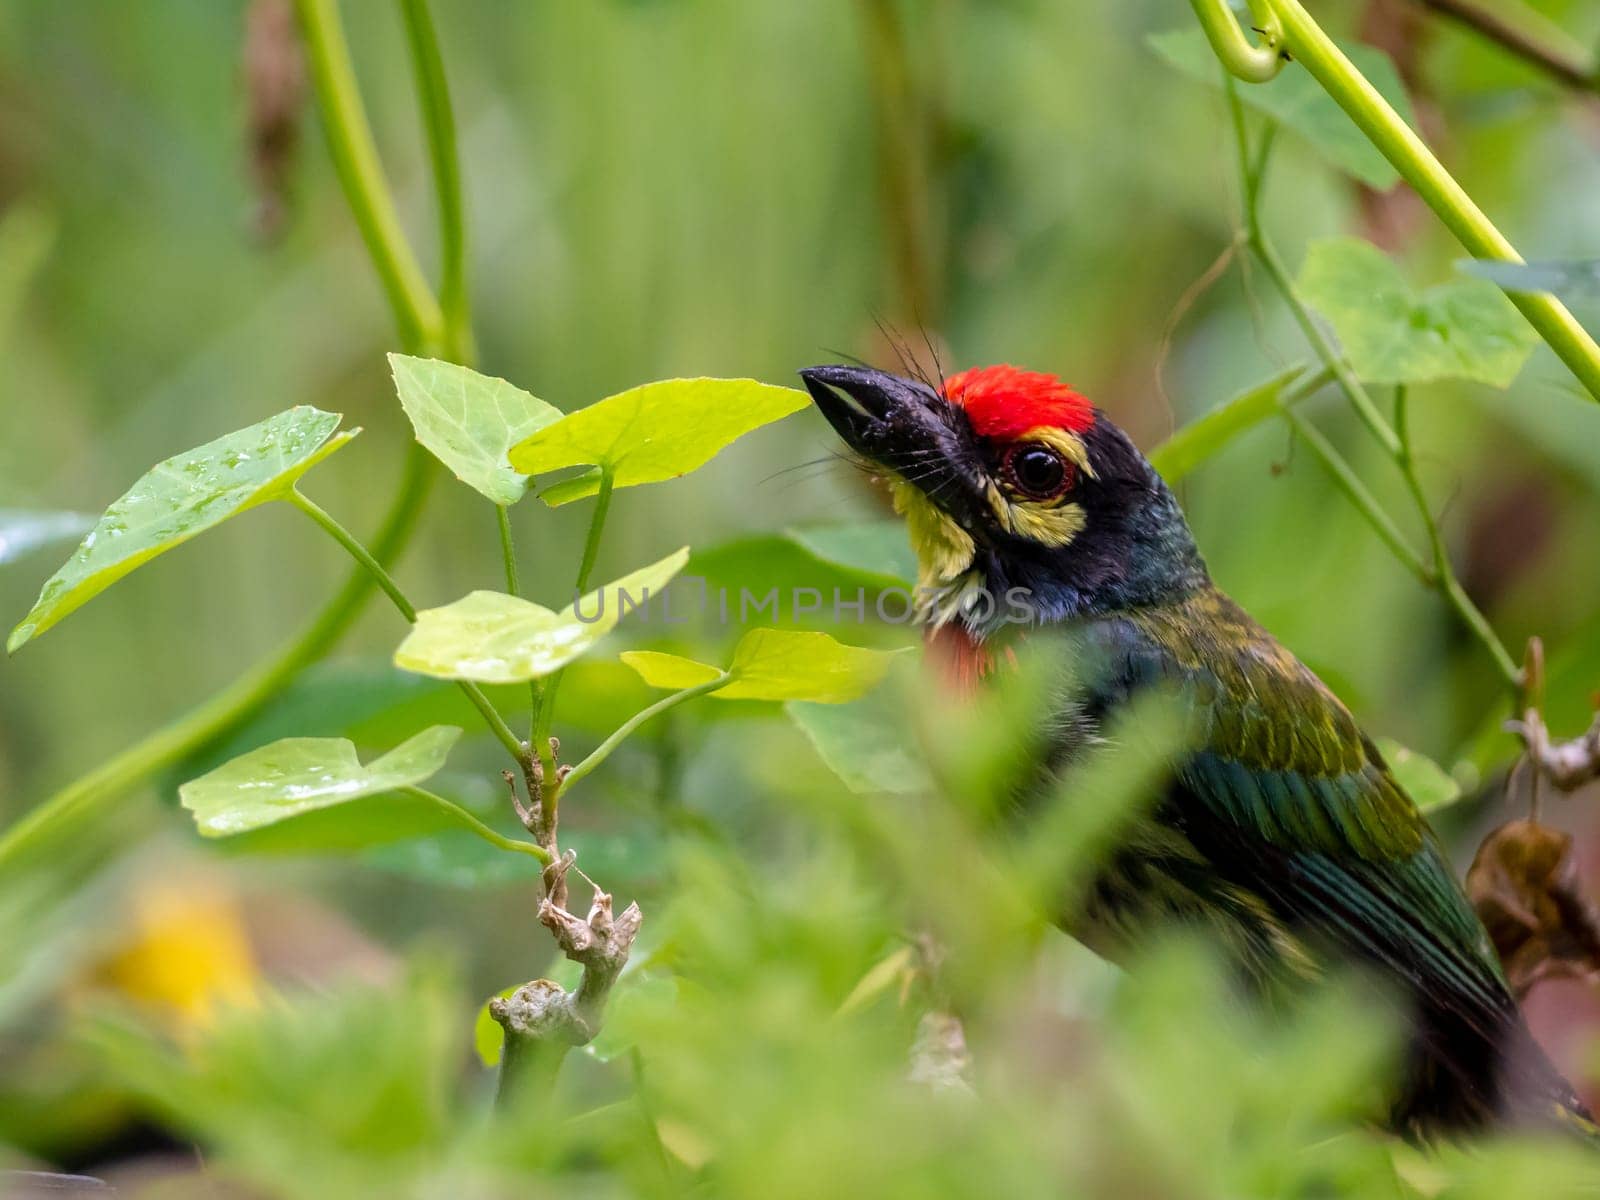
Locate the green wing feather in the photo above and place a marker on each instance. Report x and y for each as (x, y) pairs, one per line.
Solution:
(1281, 763)
(1284, 796)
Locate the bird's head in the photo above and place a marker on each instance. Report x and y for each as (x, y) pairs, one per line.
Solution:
(1020, 496)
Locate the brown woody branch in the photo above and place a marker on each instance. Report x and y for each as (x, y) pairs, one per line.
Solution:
(542, 1020)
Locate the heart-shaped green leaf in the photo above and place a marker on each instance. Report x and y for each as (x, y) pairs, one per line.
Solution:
(774, 664)
(181, 498)
(299, 775)
(1466, 329)
(489, 637)
(650, 433)
(470, 421)
(1297, 101)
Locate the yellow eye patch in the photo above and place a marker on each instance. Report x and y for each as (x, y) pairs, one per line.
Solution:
(1051, 522)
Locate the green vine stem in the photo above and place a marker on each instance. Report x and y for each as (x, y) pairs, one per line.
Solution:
(1437, 574)
(1348, 482)
(543, 714)
(1419, 167)
(384, 580)
(366, 191)
(627, 728)
(355, 158)
(1444, 575)
(462, 817)
(438, 122)
(508, 553)
(1250, 62)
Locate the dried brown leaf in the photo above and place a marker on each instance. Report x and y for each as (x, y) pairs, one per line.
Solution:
(1524, 884)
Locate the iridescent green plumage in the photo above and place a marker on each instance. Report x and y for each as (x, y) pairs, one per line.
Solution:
(1287, 829)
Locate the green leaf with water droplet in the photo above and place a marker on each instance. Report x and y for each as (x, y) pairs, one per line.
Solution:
(489, 637)
(1465, 329)
(302, 775)
(182, 497)
(470, 421)
(774, 664)
(651, 433)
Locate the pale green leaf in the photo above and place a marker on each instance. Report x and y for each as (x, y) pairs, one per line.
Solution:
(299, 775)
(671, 672)
(1299, 103)
(774, 664)
(651, 433)
(1465, 329)
(490, 637)
(182, 497)
(470, 421)
(863, 744)
(1208, 435)
(1428, 784)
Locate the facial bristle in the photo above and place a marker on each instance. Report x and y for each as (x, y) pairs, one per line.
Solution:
(1005, 402)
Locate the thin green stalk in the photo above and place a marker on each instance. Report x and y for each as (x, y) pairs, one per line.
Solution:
(384, 580)
(356, 550)
(545, 712)
(627, 728)
(355, 158)
(1365, 502)
(1444, 573)
(508, 553)
(1252, 175)
(597, 524)
(438, 123)
(1440, 575)
(462, 817)
(1250, 62)
(1418, 166)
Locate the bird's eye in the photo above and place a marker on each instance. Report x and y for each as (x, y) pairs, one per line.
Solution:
(1037, 471)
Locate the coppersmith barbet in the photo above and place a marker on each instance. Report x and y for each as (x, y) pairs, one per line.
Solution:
(1282, 830)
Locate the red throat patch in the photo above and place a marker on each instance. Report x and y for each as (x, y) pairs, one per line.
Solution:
(960, 661)
(1004, 402)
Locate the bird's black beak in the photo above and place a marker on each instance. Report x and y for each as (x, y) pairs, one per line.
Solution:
(906, 427)
(877, 414)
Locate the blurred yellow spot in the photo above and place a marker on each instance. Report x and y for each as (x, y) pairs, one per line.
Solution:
(185, 953)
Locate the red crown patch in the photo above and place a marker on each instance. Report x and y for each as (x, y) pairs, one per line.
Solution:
(1004, 402)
